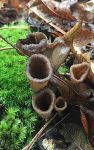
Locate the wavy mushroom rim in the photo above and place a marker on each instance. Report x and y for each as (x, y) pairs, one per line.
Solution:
(60, 108)
(83, 76)
(48, 64)
(51, 106)
(32, 39)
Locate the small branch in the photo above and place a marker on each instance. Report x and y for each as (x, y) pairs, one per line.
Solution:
(65, 82)
(17, 27)
(56, 124)
(6, 48)
(11, 44)
(30, 145)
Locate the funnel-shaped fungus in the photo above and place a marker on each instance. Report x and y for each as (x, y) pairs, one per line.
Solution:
(79, 72)
(60, 104)
(82, 47)
(34, 43)
(43, 102)
(39, 71)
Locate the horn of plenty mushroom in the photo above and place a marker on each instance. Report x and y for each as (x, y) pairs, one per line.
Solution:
(60, 105)
(79, 72)
(34, 43)
(43, 102)
(38, 71)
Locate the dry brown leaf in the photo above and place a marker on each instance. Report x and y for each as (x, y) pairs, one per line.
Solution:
(61, 9)
(41, 11)
(57, 55)
(86, 10)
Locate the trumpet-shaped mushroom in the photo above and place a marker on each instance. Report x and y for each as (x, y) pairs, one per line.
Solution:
(43, 102)
(60, 104)
(82, 39)
(39, 71)
(79, 72)
(34, 43)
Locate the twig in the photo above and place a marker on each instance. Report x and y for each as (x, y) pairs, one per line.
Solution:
(6, 48)
(30, 145)
(56, 77)
(33, 51)
(17, 27)
(11, 44)
(89, 46)
(55, 125)
(78, 146)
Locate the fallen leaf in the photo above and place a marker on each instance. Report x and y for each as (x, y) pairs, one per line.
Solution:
(62, 9)
(86, 10)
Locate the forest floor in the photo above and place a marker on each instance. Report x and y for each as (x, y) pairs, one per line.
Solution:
(18, 120)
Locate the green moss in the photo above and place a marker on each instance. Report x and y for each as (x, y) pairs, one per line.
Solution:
(63, 69)
(19, 120)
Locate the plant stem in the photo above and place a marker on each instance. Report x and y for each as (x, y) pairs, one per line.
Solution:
(6, 48)
(17, 27)
(10, 44)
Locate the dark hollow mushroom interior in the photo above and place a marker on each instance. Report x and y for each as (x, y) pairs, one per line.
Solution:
(43, 101)
(79, 71)
(39, 68)
(60, 103)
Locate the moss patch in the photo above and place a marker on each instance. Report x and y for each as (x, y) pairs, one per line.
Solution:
(18, 121)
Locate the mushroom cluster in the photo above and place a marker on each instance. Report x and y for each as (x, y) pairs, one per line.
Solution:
(54, 92)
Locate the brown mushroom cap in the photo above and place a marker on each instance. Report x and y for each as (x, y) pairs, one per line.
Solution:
(79, 72)
(33, 43)
(43, 102)
(60, 104)
(39, 71)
